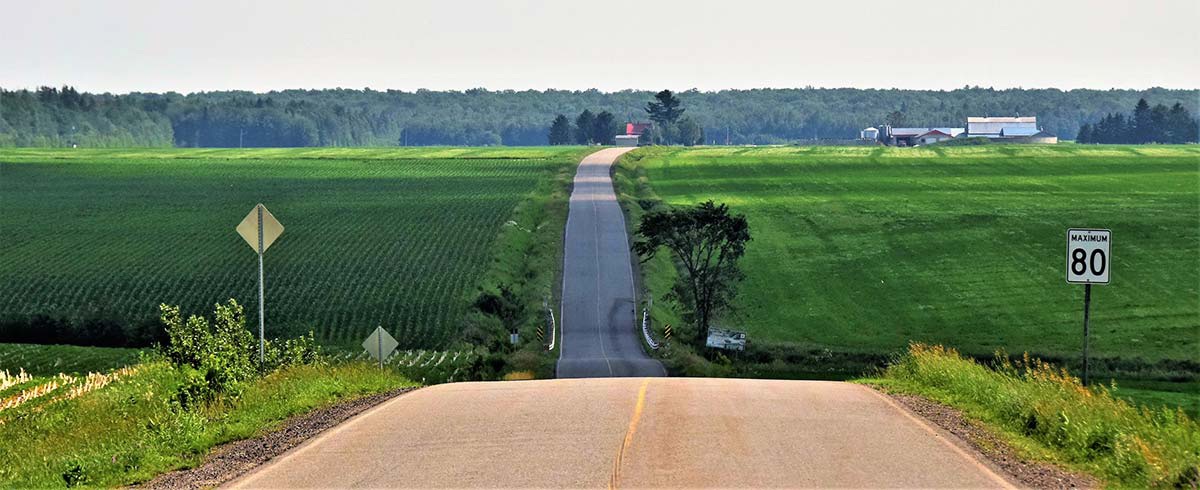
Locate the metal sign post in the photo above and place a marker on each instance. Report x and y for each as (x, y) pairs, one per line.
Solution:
(380, 345)
(260, 229)
(262, 342)
(1088, 259)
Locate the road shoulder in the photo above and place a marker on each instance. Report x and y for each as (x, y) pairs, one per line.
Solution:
(231, 460)
(987, 447)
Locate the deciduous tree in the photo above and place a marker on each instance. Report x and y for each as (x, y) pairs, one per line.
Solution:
(707, 241)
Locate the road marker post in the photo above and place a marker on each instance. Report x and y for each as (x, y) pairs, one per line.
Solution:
(1088, 259)
(260, 229)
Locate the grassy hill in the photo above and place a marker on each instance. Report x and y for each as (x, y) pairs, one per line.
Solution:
(393, 237)
(860, 250)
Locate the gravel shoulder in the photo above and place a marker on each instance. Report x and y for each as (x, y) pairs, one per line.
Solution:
(989, 447)
(231, 460)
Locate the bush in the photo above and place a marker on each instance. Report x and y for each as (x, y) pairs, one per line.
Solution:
(1086, 426)
(301, 350)
(218, 357)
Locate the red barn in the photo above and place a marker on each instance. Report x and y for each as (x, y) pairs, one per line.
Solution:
(636, 128)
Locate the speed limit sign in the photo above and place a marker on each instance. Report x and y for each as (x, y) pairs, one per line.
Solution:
(1088, 262)
(1088, 258)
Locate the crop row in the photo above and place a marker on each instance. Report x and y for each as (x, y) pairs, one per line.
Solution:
(367, 242)
(45, 360)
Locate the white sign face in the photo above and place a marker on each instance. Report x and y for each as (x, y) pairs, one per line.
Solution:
(380, 344)
(1088, 257)
(271, 229)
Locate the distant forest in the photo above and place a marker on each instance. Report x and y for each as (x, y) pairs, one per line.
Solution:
(345, 117)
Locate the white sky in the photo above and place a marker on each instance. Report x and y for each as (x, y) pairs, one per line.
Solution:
(161, 45)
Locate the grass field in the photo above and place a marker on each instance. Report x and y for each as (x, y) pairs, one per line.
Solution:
(48, 360)
(393, 237)
(862, 250)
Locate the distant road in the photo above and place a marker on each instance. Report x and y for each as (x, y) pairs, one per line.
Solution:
(631, 432)
(599, 336)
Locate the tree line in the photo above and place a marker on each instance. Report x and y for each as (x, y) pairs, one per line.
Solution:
(588, 129)
(1158, 124)
(366, 117)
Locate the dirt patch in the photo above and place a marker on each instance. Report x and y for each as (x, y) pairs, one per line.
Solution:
(231, 460)
(1032, 474)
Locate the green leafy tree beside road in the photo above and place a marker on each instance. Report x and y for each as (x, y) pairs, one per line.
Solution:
(707, 241)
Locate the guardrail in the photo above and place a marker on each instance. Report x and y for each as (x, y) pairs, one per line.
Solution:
(553, 328)
(646, 330)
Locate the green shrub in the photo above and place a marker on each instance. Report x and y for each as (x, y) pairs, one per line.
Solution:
(1034, 400)
(217, 357)
(301, 350)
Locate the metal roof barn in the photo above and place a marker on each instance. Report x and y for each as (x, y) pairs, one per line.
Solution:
(995, 127)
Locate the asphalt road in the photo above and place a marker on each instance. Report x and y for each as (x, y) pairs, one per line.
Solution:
(634, 433)
(599, 335)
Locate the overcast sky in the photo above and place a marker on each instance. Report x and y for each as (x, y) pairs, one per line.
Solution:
(161, 45)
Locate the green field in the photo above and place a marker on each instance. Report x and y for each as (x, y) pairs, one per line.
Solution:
(861, 250)
(48, 360)
(393, 237)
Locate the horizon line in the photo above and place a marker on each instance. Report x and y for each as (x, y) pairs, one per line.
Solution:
(593, 89)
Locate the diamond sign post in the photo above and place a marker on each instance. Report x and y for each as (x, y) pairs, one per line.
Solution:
(380, 345)
(260, 229)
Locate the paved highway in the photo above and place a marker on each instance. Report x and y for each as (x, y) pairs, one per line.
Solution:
(599, 336)
(631, 432)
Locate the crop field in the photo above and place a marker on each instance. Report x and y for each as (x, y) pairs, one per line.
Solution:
(392, 237)
(859, 249)
(47, 360)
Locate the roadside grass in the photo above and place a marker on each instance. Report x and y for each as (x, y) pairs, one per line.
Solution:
(1044, 411)
(859, 250)
(132, 429)
(48, 360)
(528, 258)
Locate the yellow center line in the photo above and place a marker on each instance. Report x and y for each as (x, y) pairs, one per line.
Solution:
(615, 479)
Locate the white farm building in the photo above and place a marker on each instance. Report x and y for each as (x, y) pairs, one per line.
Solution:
(1000, 129)
(1009, 129)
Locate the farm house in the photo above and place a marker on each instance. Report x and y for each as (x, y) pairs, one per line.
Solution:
(912, 136)
(633, 133)
(933, 136)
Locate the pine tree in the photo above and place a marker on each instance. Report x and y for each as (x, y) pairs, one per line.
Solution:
(1141, 124)
(604, 128)
(1181, 128)
(584, 125)
(560, 131)
(1158, 124)
(666, 108)
(1085, 134)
